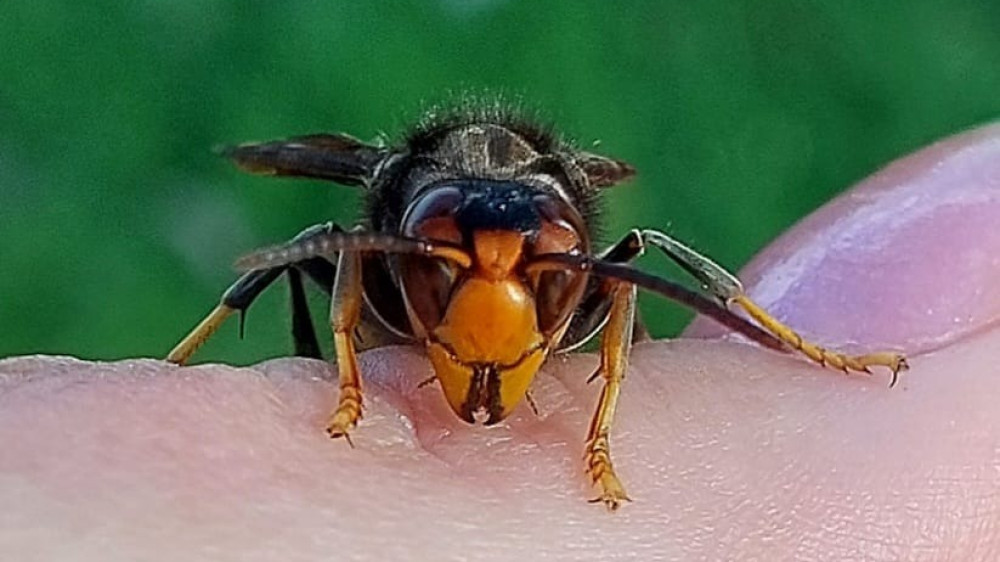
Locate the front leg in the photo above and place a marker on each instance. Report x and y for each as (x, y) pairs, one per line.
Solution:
(345, 313)
(615, 345)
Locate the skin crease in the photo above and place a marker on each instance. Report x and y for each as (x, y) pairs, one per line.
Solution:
(729, 451)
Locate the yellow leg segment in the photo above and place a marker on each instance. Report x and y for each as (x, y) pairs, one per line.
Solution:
(345, 313)
(894, 361)
(204, 330)
(615, 344)
(726, 287)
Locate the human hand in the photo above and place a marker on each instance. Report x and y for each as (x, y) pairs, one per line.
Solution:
(731, 452)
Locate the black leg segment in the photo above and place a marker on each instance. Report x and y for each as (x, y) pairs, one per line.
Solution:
(242, 294)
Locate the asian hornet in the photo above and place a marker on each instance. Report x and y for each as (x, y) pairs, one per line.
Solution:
(477, 245)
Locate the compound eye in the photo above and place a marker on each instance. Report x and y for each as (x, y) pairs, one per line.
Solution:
(563, 229)
(432, 215)
(557, 293)
(428, 282)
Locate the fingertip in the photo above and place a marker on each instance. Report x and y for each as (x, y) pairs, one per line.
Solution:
(904, 260)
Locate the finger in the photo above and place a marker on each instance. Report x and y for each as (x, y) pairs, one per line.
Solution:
(728, 450)
(908, 259)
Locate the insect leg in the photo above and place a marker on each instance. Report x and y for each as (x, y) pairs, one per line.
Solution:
(726, 287)
(615, 346)
(245, 291)
(303, 333)
(345, 313)
(237, 298)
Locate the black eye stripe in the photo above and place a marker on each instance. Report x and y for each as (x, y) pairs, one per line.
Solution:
(501, 206)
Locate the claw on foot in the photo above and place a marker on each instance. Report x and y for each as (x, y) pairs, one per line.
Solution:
(895, 362)
(346, 417)
(612, 492)
(336, 430)
(340, 427)
(602, 474)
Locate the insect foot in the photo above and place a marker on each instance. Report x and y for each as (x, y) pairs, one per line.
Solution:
(346, 416)
(602, 474)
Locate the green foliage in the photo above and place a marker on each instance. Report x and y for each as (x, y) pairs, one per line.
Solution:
(118, 226)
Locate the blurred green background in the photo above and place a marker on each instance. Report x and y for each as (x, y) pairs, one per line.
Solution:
(118, 226)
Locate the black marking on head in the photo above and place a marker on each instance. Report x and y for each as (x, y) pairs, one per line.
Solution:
(498, 205)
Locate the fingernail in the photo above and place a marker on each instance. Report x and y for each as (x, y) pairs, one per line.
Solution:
(908, 259)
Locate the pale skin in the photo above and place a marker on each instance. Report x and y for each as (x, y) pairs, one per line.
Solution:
(730, 452)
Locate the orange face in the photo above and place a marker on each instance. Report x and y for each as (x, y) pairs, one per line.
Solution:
(489, 328)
